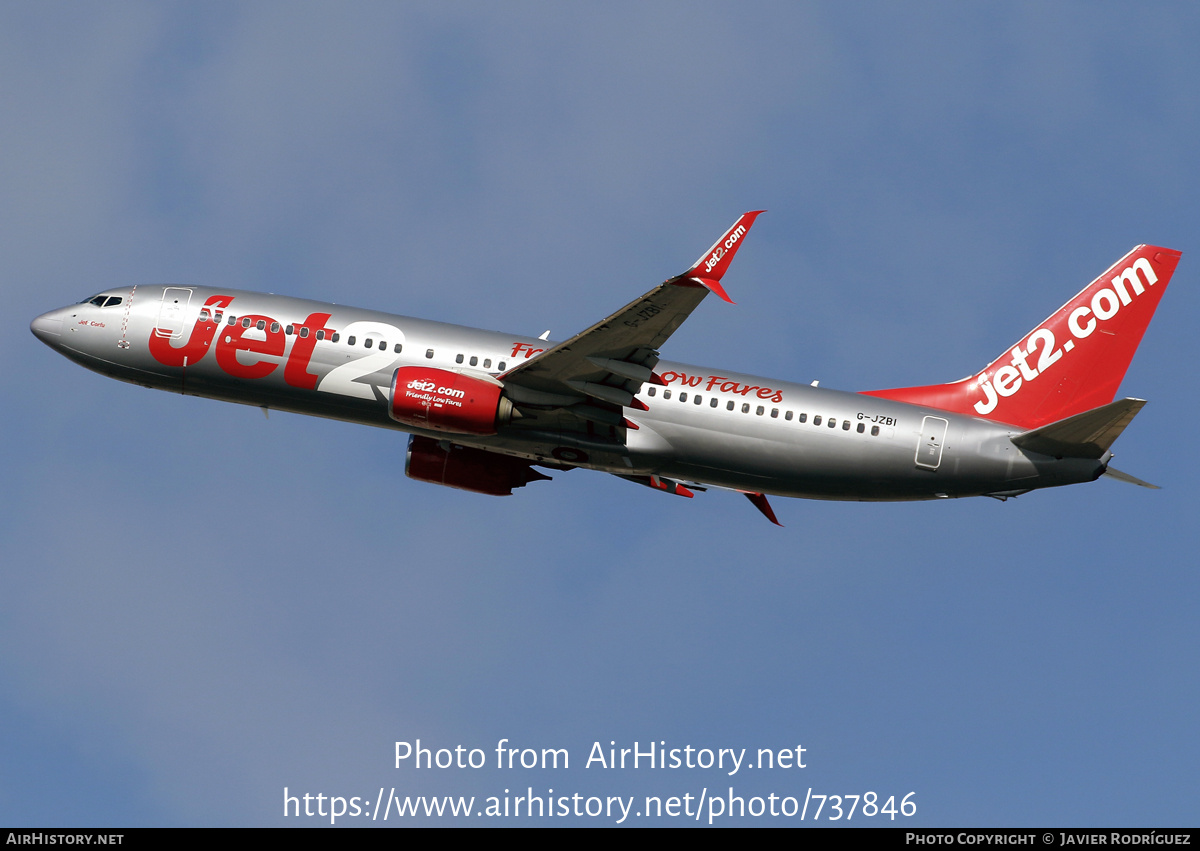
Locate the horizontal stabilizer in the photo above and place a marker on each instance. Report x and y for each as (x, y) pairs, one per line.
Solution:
(1086, 435)
(1114, 473)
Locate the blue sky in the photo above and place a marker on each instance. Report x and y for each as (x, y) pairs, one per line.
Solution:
(201, 606)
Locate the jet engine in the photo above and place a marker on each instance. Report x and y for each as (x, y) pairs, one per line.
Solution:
(441, 400)
(444, 463)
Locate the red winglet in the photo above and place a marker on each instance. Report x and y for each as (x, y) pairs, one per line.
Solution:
(759, 500)
(712, 264)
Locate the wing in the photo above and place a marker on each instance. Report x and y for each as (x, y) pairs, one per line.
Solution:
(598, 371)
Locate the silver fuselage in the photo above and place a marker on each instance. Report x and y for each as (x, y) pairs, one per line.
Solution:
(704, 425)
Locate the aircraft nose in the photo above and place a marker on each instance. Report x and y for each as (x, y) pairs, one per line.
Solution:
(48, 327)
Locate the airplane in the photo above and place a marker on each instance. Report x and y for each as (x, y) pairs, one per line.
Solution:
(484, 409)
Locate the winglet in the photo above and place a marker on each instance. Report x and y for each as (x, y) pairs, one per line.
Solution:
(712, 264)
(759, 500)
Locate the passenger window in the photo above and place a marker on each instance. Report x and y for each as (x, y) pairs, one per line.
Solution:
(336, 336)
(774, 412)
(304, 333)
(697, 398)
(666, 394)
(368, 343)
(261, 325)
(321, 334)
(833, 422)
(218, 317)
(232, 319)
(682, 397)
(500, 366)
(474, 360)
(204, 317)
(874, 431)
(349, 340)
(788, 415)
(729, 405)
(487, 363)
(861, 428)
(429, 353)
(746, 408)
(803, 418)
(246, 322)
(649, 391)
(759, 411)
(845, 425)
(274, 327)
(458, 358)
(816, 419)
(713, 403)
(289, 330)
(395, 348)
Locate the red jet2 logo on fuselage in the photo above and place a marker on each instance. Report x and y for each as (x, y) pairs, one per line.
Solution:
(235, 338)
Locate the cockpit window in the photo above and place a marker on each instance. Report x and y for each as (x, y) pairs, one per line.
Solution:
(103, 300)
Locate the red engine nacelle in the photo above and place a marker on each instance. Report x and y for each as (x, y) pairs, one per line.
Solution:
(441, 400)
(467, 468)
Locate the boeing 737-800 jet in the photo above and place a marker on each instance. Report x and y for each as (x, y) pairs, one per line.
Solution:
(485, 408)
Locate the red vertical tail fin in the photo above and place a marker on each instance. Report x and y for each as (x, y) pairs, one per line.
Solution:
(1073, 361)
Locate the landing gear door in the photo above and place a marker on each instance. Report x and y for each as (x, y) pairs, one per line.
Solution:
(173, 312)
(933, 438)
